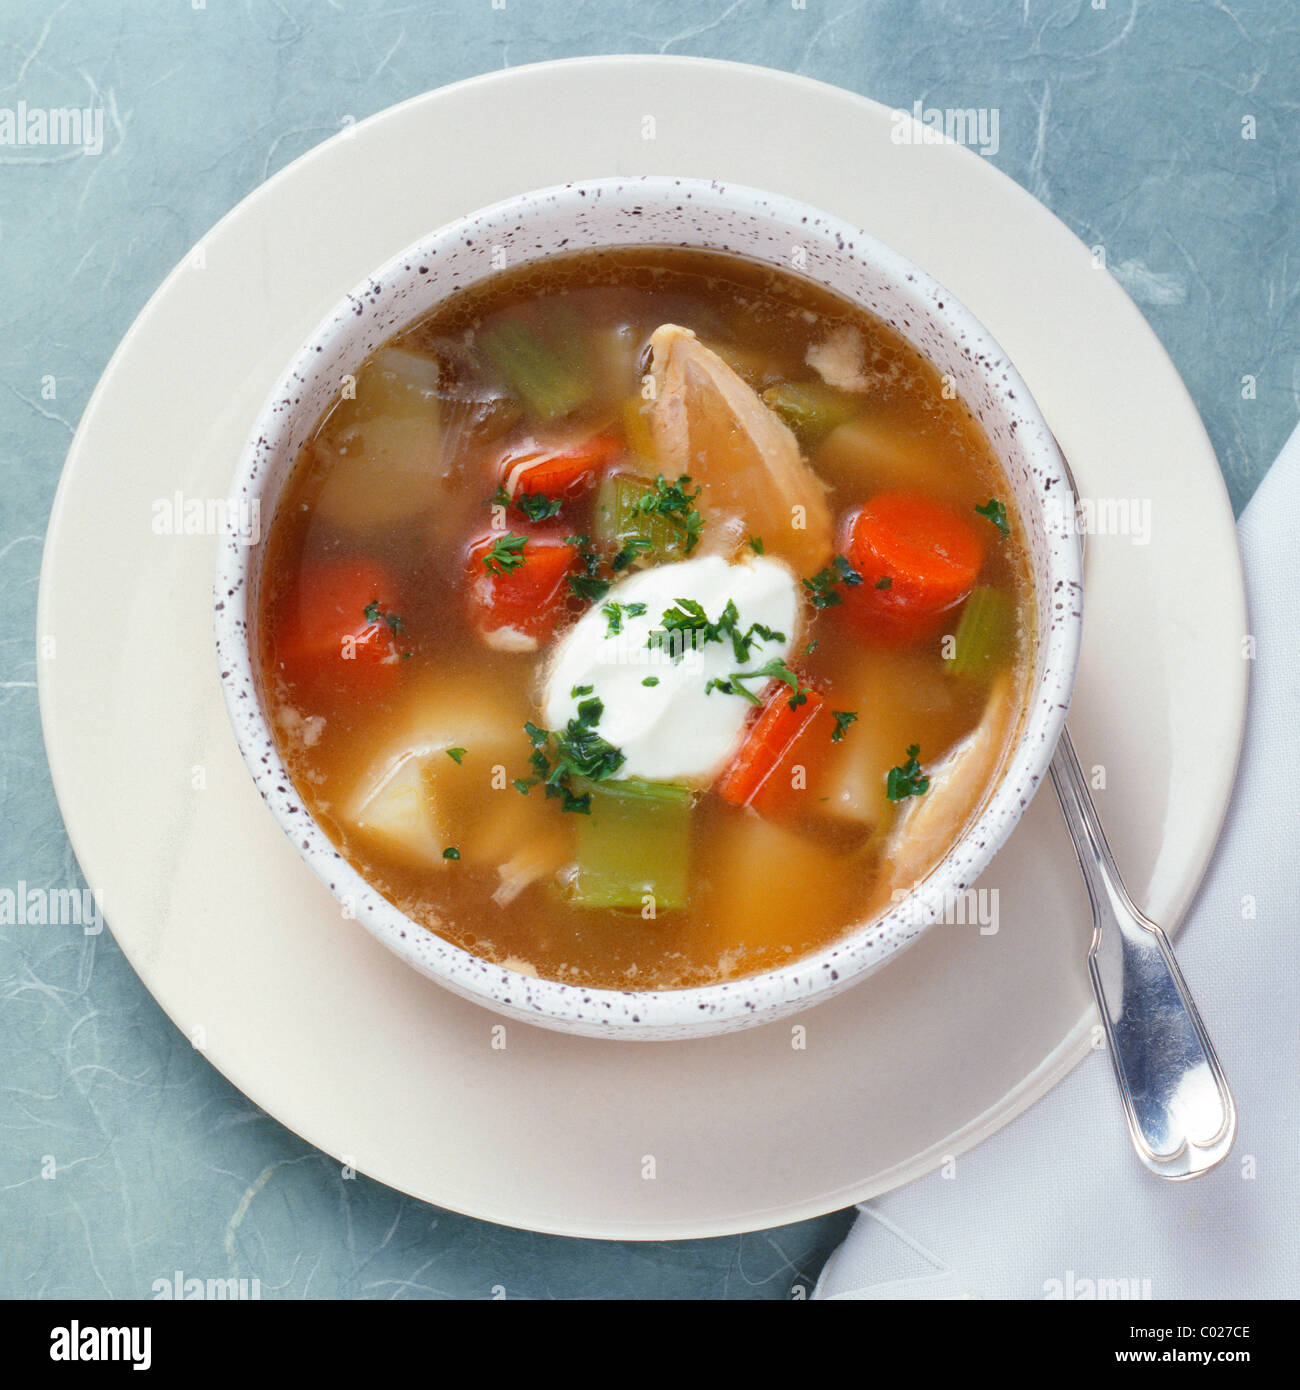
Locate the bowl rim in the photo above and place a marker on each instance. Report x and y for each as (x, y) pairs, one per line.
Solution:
(724, 1005)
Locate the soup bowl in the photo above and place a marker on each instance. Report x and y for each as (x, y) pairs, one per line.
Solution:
(760, 226)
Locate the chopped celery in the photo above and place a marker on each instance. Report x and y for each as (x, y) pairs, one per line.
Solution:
(811, 408)
(633, 849)
(617, 521)
(981, 634)
(547, 368)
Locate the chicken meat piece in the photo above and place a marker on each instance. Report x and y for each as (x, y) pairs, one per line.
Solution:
(705, 421)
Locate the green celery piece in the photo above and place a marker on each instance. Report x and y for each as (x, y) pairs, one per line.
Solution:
(811, 408)
(547, 369)
(616, 521)
(981, 634)
(635, 841)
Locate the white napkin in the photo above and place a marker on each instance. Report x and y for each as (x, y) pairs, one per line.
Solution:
(1057, 1201)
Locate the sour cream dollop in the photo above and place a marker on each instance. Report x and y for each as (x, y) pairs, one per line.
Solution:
(676, 728)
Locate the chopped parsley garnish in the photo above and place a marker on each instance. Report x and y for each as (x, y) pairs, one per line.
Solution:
(523, 785)
(884, 582)
(534, 505)
(676, 505)
(811, 647)
(588, 584)
(506, 554)
(651, 680)
(451, 852)
(577, 751)
(396, 625)
(457, 755)
(631, 548)
(843, 718)
(907, 780)
(756, 544)
(776, 670)
(616, 612)
(579, 690)
(375, 614)
(996, 513)
(689, 617)
(822, 590)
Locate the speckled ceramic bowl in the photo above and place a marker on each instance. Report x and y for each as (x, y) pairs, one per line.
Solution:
(765, 227)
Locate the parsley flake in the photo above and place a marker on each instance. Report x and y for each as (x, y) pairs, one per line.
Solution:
(506, 554)
(676, 505)
(822, 590)
(577, 751)
(588, 584)
(997, 513)
(907, 780)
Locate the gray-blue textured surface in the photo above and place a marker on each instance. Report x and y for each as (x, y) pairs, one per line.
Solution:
(1126, 117)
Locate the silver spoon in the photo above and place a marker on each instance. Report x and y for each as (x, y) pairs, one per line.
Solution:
(1180, 1113)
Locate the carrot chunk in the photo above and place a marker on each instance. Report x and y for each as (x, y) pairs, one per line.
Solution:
(917, 557)
(516, 587)
(339, 626)
(559, 470)
(780, 752)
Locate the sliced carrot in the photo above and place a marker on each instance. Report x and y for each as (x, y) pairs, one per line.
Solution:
(516, 606)
(917, 557)
(779, 754)
(557, 470)
(325, 633)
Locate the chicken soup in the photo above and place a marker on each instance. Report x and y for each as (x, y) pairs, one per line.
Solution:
(645, 618)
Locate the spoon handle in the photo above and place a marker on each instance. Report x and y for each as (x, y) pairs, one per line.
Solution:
(1180, 1112)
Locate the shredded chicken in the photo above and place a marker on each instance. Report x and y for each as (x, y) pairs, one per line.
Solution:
(707, 422)
(840, 359)
(928, 824)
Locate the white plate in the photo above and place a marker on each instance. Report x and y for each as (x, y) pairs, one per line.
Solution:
(316, 1021)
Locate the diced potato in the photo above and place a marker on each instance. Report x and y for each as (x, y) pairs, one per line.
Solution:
(391, 807)
(525, 838)
(383, 446)
(876, 454)
(416, 800)
(708, 423)
(755, 887)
